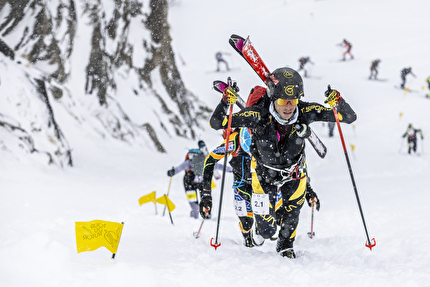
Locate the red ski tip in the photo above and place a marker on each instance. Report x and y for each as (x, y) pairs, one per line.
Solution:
(370, 246)
(215, 245)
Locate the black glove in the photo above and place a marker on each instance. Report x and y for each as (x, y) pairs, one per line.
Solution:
(333, 97)
(303, 130)
(205, 203)
(310, 194)
(171, 172)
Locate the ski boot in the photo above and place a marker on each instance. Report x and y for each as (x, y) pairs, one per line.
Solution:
(247, 239)
(285, 247)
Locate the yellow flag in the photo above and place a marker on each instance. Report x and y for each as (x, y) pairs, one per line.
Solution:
(164, 200)
(213, 185)
(147, 198)
(91, 235)
(352, 147)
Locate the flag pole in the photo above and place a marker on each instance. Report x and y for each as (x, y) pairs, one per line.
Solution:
(168, 209)
(168, 190)
(113, 254)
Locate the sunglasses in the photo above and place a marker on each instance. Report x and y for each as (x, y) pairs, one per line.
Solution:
(283, 102)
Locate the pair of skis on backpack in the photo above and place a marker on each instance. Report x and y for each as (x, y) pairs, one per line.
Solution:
(248, 52)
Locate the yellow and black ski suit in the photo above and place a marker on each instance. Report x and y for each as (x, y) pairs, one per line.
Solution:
(241, 164)
(279, 158)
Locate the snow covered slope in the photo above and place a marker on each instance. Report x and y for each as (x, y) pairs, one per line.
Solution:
(40, 204)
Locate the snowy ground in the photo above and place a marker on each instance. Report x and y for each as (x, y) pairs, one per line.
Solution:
(40, 204)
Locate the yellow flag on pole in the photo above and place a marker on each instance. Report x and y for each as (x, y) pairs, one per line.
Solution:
(164, 200)
(91, 235)
(150, 197)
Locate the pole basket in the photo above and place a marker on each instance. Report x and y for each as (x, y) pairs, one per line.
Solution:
(370, 246)
(215, 245)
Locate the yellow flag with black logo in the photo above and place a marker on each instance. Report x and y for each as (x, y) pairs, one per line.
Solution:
(150, 197)
(164, 200)
(91, 235)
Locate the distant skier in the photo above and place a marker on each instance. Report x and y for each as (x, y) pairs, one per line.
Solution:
(348, 47)
(220, 59)
(403, 75)
(303, 61)
(374, 69)
(193, 166)
(412, 132)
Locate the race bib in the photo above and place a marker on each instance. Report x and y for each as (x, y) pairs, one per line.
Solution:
(240, 207)
(260, 203)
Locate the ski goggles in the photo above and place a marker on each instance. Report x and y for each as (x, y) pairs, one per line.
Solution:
(283, 102)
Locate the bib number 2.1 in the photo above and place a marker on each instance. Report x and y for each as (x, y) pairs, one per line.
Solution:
(260, 203)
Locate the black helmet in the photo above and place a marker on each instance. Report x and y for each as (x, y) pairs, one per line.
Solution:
(201, 144)
(285, 83)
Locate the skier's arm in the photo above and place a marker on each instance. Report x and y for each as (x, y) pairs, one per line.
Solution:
(208, 168)
(247, 117)
(317, 112)
(421, 134)
(211, 163)
(183, 166)
(345, 112)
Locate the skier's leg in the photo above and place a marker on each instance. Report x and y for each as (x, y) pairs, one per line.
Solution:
(409, 145)
(294, 193)
(242, 197)
(226, 65)
(265, 224)
(191, 193)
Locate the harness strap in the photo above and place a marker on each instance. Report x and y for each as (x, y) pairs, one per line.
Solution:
(291, 173)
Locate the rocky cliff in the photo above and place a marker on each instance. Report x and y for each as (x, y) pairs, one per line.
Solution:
(107, 65)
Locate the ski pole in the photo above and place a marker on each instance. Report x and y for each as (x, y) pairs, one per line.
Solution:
(168, 190)
(368, 244)
(216, 244)
(197, 234)
(312, 233)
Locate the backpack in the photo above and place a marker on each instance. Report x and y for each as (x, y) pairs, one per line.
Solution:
(197, 159)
